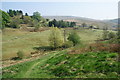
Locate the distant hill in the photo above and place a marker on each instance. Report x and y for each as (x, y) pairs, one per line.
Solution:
(112, 20)
(88, 21)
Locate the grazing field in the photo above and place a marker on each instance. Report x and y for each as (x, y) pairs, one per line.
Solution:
(15, 40)
(66, 63)
(34, 46)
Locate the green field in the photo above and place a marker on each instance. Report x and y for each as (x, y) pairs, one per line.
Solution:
(59, 63)
(15, 40)
(33, 46)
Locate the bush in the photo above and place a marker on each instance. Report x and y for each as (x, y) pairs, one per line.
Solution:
(20, 54)
(74, 37)
(68, 44)
(27, 19)
(111, 35)
(14, 25)
(15, 22)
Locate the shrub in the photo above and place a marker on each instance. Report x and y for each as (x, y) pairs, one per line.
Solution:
(111, 35)
(27, 19)
(14, 25)
(68, 44)
(74, 37)
(20, 54)
(15, 22)
(113, 40)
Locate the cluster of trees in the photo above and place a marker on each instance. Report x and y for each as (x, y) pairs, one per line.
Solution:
(13, 19)
(4, 19)
(61, 23)
(14, 12)
(56, 39)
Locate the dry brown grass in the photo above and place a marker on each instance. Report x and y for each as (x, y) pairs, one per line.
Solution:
(95, 47)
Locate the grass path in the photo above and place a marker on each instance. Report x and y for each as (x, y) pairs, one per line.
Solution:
(41, 62)
(30, 70)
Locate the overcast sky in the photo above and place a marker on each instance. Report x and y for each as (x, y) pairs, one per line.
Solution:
(89, 9)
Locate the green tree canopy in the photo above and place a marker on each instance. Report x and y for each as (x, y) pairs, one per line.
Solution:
(37, 16)
(74, 37)
(84, 25)
(5, 19)
(26, 14)
(11, 13)
(56, 38)
(27, 19)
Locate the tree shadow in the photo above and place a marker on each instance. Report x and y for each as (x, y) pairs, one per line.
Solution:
(44, 48)
(15, 58)
(47, 48)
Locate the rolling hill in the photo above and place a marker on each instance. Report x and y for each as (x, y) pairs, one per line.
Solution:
(88, 21)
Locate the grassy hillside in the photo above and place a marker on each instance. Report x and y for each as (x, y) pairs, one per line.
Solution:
(15, 40)
(57, 64)
(27, 68)
(63, 65)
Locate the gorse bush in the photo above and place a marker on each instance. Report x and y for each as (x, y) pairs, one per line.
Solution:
(20, 54)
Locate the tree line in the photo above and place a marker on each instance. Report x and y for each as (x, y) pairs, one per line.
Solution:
(61, 23)
(13, 19)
